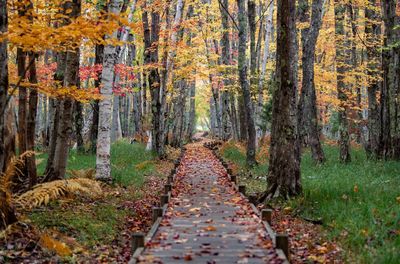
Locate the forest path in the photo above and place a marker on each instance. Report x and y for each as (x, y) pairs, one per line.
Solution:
(207, 220)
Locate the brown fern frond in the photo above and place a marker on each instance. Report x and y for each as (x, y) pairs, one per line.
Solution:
(43, 193)
(12, 169)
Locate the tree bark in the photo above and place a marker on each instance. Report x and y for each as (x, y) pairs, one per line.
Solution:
(307, 107)
(244, 83)
(373, 32)
(99, 57)
(226, 59)
(22, 101)
(284, 165)
(342, 45)
(3, 80)
(388, 89)
(31, 121)
(103, 154)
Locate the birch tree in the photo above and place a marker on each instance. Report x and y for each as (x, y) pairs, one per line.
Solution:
(103, 162)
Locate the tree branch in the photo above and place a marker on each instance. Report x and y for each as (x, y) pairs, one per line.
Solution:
(229, 14)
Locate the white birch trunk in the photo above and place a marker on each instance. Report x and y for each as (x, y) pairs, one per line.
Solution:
(103, 161)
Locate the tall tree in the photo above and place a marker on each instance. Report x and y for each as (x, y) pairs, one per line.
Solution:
(390, 139)
(103, 154)
(269, 22)
(71, 78)
(342, 65)
(284, 165)
(3, 79)
(308, 114)
(244, 83)
(373, 32)
(151, 38)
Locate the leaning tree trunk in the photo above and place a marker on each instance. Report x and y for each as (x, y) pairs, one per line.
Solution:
(341, 68)
(244, 83)
(103, 162)
(307, 107)
(284, 165)
(3, 79)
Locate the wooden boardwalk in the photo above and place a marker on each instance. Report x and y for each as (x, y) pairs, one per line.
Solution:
(207, 220)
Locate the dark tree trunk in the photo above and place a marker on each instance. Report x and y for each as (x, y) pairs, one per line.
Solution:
(342, 46)
(307, 107)
(64, 128)
(284, 165)
(31, 121)
(79, 122)
(99, 54)
(373, 32)
(388, 89)
(3, 79)
(151, 37)
(22, 101)
(244, 83)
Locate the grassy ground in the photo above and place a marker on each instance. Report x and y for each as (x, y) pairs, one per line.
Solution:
(99, 222)
(359, 203)
(130, 162)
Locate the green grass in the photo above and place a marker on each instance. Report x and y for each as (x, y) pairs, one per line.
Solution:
(100, 221)
(90, 225)
(124, 158)
(357, 202)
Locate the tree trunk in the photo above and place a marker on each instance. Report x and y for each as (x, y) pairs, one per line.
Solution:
(373, 32)
(22, 101)
(307, 107)
(244, 83)
(284, 165)
(31, 121)
(99, 56)
(388, 89)
(341, 69)
(103, 154)
(192, 112)
(55, 105)
(226, 61)
(79, 123)
(261, 82)
(3, 79)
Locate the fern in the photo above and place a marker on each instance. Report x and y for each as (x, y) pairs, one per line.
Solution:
(43, 193)
(12, 169)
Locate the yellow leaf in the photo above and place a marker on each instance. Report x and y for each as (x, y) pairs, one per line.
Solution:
(355, 189)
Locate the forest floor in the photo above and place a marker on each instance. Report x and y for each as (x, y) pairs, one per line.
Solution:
(207, 220)
(348, 212)
(84, 230)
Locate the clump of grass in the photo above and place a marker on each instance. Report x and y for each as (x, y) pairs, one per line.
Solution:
(358, 202)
